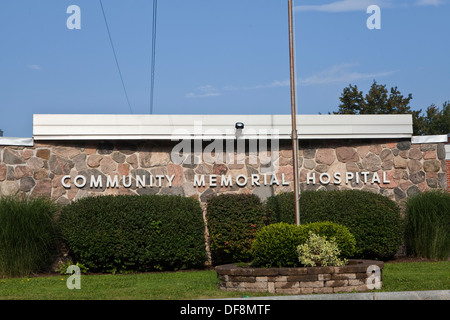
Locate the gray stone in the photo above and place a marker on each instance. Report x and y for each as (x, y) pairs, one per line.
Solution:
(147, 191)
(431, 165)
(172, 191)
(105, 147)
(11, 157)
(386, 154)
(263, 192)
(309, 164)
(3, 171)
(427, 147)
(60, 166)
(189, 174)
(321, 168)
(442, 180)
(10, 173)
(417, 177)
(208, 194)
(309, 153)
(80, 162)
(414, 166)
(441, 151)
(415, 154)
(371, 162)
(387, 165)
(43, 188)
(126, 147)
(404, 145)
(399, 194)
(413, 190)
(26, 184)
(347, 154)
(432, 183)
(10, 188)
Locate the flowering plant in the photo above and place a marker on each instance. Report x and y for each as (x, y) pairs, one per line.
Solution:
(318, 251)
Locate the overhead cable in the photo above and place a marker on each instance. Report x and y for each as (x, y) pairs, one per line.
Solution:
(152, 84)
(115, 57)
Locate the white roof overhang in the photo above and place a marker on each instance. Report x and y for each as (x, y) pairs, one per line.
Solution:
(207, 127)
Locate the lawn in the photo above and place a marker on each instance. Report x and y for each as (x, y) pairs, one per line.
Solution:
(192, 285)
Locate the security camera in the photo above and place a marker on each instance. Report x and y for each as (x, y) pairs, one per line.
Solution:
(239, 125)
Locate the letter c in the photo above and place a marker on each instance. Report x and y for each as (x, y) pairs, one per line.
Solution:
(65, 185)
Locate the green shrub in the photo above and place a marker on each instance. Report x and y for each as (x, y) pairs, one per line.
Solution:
(318, 251)
(427, 231)
(373, 219)
(28, 236)
(135, 233)
(233, 221)
(280, 208)
(276, 244)
(341, 235)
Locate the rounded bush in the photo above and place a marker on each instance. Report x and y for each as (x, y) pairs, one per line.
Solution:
(344, 239)
(427, 231)
(373, 219)
(233, 221)
(135, 233)
(276, 244)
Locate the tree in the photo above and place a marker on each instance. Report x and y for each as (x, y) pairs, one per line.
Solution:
(435, 121)
(380, 101)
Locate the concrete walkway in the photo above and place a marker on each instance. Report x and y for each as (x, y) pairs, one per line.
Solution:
(402, 295)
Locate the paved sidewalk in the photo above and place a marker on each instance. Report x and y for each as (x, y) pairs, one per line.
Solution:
(402, 295)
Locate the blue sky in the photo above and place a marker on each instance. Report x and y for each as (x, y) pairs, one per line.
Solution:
(214, 56)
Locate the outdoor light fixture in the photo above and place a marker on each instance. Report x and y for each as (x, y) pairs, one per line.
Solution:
(239, 125)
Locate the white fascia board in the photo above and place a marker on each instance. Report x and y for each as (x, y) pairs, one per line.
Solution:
(175, 127)
(19, 142)
(429, 139)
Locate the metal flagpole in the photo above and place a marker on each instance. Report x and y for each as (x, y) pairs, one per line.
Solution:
(294, 135)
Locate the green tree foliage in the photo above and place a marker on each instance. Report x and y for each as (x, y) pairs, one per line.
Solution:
(435, 121)
(379, 100)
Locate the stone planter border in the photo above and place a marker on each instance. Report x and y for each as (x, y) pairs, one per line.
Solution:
(356, 276)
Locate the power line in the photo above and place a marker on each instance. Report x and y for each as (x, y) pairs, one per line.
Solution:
(115, 56)
(152, 85)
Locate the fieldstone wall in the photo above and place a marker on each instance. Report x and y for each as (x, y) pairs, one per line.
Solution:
(356, 276)
(365, 164)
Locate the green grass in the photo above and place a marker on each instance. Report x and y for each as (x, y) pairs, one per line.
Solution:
(416, 276)
(195, 284)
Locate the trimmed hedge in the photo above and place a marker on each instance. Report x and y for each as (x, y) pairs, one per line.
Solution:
(373, 219)
(233, 221)
(428, 225)
(28, 235)
(135, 233)
(276, 244)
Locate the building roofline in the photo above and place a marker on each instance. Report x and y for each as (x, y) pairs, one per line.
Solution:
(206, 127)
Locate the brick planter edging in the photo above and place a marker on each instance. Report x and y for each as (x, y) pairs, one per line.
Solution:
(352, 277)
